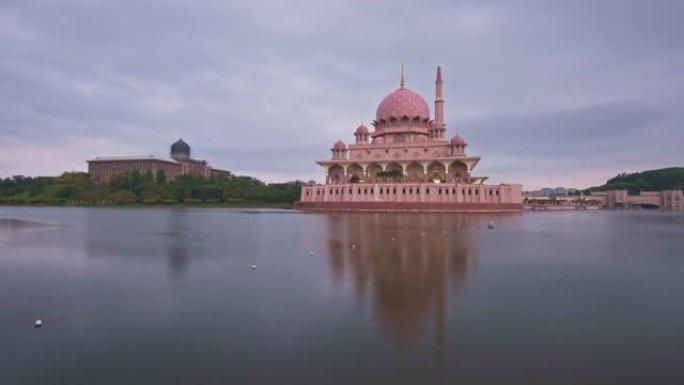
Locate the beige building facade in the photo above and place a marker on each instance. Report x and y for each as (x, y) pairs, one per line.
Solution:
(666, 199)
(180, 163)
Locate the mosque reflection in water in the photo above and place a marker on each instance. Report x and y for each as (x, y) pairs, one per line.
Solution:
(410, 267)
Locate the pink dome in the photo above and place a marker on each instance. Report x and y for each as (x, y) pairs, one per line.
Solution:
(457, 139)
(379, 140)
(362, 129)
(402, 102)
(339, 145)
(434, 124)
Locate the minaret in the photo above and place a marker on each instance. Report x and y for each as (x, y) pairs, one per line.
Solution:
(439, 99)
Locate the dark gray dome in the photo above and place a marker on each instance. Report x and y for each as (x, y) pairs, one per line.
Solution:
(180, 148)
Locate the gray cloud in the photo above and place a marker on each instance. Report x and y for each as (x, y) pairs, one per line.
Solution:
(548, 92)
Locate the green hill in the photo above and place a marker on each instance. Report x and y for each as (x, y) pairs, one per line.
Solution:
(651, 180)
(133, 188)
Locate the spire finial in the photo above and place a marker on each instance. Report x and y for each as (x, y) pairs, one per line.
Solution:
(401, 84)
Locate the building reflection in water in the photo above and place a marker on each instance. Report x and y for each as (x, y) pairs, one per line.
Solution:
(409, 266)
(177, 245)
(111, 235)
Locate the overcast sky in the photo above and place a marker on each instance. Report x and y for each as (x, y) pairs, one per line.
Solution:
(549, 93)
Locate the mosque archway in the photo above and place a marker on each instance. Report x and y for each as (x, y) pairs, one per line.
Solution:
(436, 172)
(414, 172)
(355, 173)
(394, 172)
(372, 172)
(458, 172)
(336, 175)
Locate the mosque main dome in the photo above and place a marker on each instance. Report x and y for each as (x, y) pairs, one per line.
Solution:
(400, 103)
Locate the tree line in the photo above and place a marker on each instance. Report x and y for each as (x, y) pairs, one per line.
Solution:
(671, 178)
(145, 188)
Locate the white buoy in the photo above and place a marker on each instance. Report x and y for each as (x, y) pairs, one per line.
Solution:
(353, 245)
(490, 225)
(393, 238)
(311, 253)
(38, 323)
(253, 267)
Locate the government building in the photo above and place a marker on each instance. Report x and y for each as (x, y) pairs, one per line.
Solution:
(406, 164)
(180, 163)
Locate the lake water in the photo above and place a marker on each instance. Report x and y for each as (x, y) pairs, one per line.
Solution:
(168, 296)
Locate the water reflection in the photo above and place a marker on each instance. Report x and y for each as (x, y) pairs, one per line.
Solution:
(177, 245)
(410, 267)
(162, 233)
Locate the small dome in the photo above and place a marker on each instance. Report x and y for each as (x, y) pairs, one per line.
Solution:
(435, 125)
(180, 148)
(379, 140)
(457, 140)
(400, 103)
(362, 129)
(339, 145)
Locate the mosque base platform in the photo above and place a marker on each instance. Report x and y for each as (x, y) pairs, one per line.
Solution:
(409, 207)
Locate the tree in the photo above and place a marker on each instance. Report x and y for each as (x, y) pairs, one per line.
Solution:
(65, 192)
(161, 176)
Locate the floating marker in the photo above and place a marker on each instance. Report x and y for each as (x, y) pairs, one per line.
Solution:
(311, 253)
(253, 267)
(38, 323)
(490, 225)
(353, 245)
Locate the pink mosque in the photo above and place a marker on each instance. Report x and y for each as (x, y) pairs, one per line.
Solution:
(406, 164)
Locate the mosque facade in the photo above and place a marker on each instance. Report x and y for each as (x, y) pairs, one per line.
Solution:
(406, 163)
(180, 163)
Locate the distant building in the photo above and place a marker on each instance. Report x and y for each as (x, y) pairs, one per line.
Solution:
(179, 164)
(559, 191)
(666, 199)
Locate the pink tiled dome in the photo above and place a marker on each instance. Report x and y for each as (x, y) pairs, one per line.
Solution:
(362, 129)
(457, 139)
(339, 145)
(434, 124)
(402, 102)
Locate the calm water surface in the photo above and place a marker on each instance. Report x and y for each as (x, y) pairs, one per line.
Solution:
(167, 296)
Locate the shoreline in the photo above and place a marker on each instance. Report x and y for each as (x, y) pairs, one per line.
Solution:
(145, 205)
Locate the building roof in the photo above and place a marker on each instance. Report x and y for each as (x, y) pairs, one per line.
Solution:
(127, 158)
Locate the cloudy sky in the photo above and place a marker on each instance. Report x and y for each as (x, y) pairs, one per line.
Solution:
(549, 93)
